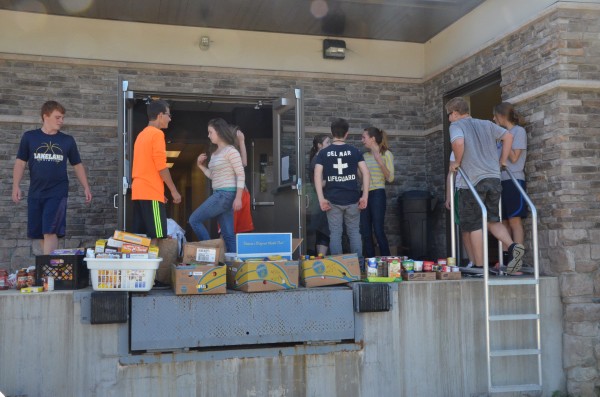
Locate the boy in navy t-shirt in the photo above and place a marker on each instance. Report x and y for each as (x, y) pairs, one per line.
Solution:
(46, 151)
(340, 165)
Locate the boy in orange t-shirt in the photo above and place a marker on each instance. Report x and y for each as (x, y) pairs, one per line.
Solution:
(150, 174)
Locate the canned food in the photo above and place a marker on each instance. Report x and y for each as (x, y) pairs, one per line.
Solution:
(442, 262)
(372, 268)
(428, 266)
(48, 283)
(408, 266)
(451, 261)
(418, 266)
(394, 268)
(382, 268)
(455, 269)
(444, 268)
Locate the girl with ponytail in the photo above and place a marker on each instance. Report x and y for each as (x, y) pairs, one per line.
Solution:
(514, 208)
(318, 219)
(380, 162)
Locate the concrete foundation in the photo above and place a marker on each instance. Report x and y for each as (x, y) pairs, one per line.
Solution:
(432, 343)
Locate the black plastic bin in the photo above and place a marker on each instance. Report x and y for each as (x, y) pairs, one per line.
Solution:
(416, 207)
(69, 271)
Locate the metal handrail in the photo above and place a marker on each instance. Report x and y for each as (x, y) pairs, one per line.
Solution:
(486, 274)
(534, 217)
(536, 268)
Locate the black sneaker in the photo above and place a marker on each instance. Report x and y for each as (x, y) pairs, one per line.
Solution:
(516, 252)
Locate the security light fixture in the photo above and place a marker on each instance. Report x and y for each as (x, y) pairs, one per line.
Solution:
(334, 49)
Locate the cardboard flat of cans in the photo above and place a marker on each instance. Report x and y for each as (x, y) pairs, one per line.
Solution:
(198, 279)
(419, 276)
(448, 275)
(331, 270)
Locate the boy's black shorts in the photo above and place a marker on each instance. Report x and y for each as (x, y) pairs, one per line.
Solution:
(150, 218)
(490, 191)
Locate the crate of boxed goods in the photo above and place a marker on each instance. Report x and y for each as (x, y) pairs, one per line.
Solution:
(455, 275)
(331, 270)
(114, 274)
(66, 267)
(198, 279)
(418, 276)
(262, 275)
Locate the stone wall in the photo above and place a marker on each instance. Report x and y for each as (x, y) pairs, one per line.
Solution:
(89, 91)
(558, 55)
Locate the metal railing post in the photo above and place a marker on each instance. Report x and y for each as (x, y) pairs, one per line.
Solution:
(484, 230)
(536, 268)
(452, 218)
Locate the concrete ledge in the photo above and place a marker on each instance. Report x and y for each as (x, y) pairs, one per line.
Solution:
(429, 344)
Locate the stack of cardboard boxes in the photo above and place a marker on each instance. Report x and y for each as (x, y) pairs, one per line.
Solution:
(263, 262)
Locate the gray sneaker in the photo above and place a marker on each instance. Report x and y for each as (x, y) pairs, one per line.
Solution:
(516, 252)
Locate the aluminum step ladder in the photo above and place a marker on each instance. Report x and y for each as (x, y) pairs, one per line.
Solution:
(505, 281)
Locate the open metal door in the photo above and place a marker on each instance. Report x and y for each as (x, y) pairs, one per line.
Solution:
(288, 164)
(122, 200)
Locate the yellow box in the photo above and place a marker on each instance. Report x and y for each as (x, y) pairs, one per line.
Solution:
(331, 270)
(30, 290)
(131, 238)
(153, 252)
(100, 245)
(260, 276)
(198, 279)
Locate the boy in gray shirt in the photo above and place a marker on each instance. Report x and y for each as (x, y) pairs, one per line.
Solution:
(474, 146)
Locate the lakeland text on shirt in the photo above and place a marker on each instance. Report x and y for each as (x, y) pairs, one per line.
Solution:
(340, 173)
(46, 156)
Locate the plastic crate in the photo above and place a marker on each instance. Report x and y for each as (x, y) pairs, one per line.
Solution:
(69, 271)
(136, 275)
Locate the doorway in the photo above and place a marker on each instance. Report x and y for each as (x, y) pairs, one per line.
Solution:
(270, 125)
(482, 94)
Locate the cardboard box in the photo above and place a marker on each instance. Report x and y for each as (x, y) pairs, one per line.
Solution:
(153, 251)
(169, 252)
(448, 276)
(418, 276)
(100, 245)
(331, 270)
(261, 276)
(198, 279)
(131, 238)
(208, 251)
(129, 248)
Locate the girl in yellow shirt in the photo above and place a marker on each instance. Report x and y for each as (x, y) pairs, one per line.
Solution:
(380, 162)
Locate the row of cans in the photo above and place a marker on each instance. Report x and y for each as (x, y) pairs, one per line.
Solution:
(380, 266)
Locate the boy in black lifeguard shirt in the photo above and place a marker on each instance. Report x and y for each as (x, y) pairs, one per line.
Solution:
(339, 165)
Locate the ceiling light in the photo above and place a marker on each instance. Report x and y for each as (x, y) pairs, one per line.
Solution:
(170, 165)
(173, 153)
(258, 105)
(334, 49)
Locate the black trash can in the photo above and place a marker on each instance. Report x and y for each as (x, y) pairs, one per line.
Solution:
(416, 207)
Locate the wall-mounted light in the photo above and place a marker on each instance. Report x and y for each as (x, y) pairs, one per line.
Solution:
(204, 43)
(258, 105)
(334, 49)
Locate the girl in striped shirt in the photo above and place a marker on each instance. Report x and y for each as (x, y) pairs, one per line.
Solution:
(226, 171)
(380, 162)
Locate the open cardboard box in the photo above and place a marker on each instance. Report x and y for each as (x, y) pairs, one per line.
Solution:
(198, 279)
(418, 276)
(448, 276)
(207, 251)
(331, 270)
